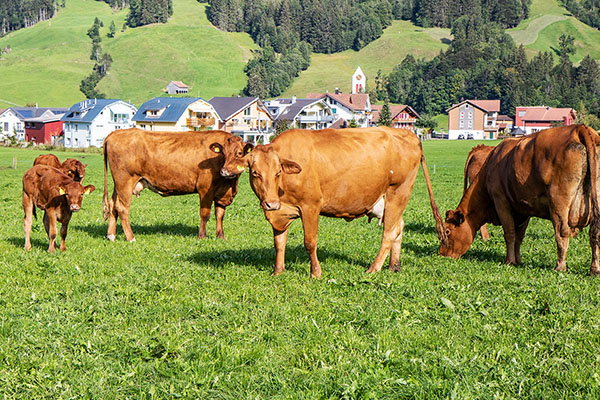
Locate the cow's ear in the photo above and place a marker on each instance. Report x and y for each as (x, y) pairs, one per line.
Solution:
(61, 190)
(459, 217)
(248, 148)
(89, 189)
(216, 147)
(85, 165)
(290, 167)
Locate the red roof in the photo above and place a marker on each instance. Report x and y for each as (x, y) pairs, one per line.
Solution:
(546, 114)
(357, 101)
(485, 105)
(395, 109)
(179, 84)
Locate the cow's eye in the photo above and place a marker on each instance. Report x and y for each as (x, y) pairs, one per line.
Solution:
(239, 153)
(255, 174)
(279, 173)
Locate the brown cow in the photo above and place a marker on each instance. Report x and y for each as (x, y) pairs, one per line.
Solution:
(172, 163)
(57, 194)
(345, 173)
(551, 174)
(72, 167)
(477, 156)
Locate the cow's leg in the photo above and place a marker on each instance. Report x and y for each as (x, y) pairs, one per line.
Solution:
(111, 234)
(520, 234)
(396, 200)
(310, 224)
(280, 241)
(63, 233)
(595, 245)
(123, 203)
(50, 217)
(205, 204)
(28, 219)
(562, 234)
(485, 235)
(508, 226)
(219, 215)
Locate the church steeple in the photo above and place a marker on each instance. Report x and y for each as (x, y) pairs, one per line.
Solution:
(359, 82)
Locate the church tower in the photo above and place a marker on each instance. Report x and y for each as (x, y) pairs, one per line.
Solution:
(359, 82)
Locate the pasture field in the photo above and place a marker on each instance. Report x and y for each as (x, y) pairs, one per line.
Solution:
(172, 317)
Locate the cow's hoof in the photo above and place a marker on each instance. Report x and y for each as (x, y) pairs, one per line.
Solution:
(595, 271)
(561, 268)
(277, 272)
(132, 240)
(314, 276)
(111, 237)
(396, 268)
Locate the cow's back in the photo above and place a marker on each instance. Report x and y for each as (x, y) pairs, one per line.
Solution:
(346, 170)
(47, 159)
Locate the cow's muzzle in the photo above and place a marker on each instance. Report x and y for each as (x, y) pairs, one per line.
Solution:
(75, 207)
(227, 174)
(270, 205)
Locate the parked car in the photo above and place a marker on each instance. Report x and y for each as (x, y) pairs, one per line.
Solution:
(461, 137)
(470, 136)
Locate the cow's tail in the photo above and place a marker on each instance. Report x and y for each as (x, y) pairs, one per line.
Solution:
(439, 222)
(105, 203)
(587, 136)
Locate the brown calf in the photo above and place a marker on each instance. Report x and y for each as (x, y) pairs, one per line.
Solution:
(58, 195)
(72, 167)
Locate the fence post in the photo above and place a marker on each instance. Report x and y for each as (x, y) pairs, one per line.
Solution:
(434, 168)
(15, 162)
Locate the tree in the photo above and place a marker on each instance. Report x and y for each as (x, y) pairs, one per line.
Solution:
(112, 29)
(385, 115)
(281, 126)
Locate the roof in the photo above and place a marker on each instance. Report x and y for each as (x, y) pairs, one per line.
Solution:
(355, 102)
(504, 118)
(174, 108)
(339, 123)
(179, 84)
(227, 107)
(87, 110)
(35, 112)
(292, 111)
(485, 105)
(395, 109)
(546, 114)
(49, 116)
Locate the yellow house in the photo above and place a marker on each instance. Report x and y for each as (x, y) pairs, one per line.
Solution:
(244, 116)
(176, 114)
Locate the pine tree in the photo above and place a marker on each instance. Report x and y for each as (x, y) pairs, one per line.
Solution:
(385, 115)
(112, 29)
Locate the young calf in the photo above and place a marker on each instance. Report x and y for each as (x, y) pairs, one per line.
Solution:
(58, 195)
(72, 167)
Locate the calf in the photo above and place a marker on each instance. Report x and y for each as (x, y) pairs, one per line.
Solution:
(58, 195)
(342, 173)
(551, 174)
(72, 167)
(475, 160)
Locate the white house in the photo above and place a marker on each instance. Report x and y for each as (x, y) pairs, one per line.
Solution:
(301, 113)
(176, 114)
(177, 87)
(12, 125)
(87, 123)
(348, 107)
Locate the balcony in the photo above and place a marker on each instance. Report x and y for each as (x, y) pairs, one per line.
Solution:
(313, 119)
(200, 122)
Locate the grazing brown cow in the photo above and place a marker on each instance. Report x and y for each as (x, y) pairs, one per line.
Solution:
(551, 174)
(72, 167)
(58, 195)
(345, 173)
(475, 160)
(172, 163)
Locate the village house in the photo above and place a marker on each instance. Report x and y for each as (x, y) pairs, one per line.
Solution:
(244, 116)
(473, 119)
(12, 120)
(88, 122)
(301, 113)
(46, 128)
(176, 114)
(534, 119)
(403, 116)
(347, 106)
(177, 87)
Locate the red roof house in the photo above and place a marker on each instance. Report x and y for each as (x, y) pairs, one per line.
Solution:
(534, 119)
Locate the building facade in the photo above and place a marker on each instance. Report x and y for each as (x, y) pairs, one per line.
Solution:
(246, 117)
(534, 119)
(473, 119)
(176, 114)
(12, 125)
(403, 116)
(301, 113)
(45, 129)
(177, 87)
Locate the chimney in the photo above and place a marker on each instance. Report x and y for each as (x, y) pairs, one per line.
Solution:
(293, 99)
(337, 90)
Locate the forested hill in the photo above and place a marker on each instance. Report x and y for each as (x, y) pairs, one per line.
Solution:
(17, 14)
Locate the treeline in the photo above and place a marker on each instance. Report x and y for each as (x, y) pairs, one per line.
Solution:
(144, 12)
(17, 14)
(483, 62)
(587, 11)
(442, 13)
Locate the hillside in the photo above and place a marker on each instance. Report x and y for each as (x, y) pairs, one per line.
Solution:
(49, 60)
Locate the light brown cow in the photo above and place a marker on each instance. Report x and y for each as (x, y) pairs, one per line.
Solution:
(551, 174)
(58, 195)
(345, 173)
(475, 160)
(172, 163)
(72, 167)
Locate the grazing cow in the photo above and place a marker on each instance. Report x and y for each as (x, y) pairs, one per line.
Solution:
(475, 160)
(172, 163)
(72, 167)
(551, 174)
(345, 173)
(57, 194)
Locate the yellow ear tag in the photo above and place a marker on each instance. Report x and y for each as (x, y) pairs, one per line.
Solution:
(61, 191)
(240, 168)
(217, 150)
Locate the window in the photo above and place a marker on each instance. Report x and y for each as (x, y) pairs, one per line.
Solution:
(521, 114)
(6, 127)
(248, 111)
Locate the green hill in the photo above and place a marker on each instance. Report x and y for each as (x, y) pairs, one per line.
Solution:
(48, 60)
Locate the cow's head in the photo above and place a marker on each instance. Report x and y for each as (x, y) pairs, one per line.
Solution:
(266, 168)
(459, 235)
(235, 152)
(73, 192)
(74, 169)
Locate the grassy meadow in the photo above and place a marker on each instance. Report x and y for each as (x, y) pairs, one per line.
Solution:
(173, 317)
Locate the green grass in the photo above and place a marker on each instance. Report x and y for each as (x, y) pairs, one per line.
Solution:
(49, 60)
(170, 317)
